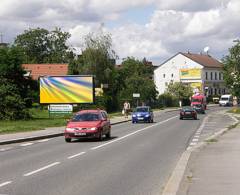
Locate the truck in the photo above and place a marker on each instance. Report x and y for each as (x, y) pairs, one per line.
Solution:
(226, 100)
(199, 102)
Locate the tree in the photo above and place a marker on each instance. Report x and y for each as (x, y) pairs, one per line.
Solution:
(13, 86)
(137, 78)
(232, 69)
(180, 91)
(43, 46)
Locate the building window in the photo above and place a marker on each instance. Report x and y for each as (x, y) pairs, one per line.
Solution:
(206, 73)
(211, 75)
(219, 91)
(164, 75)
(166, 84)
(215, 91)
(224, 91)
(220, 76)
(215, 76)
(172, 75)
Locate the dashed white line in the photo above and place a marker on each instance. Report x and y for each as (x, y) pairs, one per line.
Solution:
(196, 136)
(195, 140)
(43, 140)
(5, 149)
(41, 169)
(26, 144)
(5, 183)
(193, 144)
(76, 155)
(118, 139)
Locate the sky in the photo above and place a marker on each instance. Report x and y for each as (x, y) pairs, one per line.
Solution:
(154, 29)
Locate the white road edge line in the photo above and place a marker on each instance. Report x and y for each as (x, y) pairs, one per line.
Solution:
(118, 139)
(41, 169)
(26, 144)
(5, 183)
(76, 155)
(195, 140)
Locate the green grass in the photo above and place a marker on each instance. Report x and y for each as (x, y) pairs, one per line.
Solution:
(235, 110)
(39, 121)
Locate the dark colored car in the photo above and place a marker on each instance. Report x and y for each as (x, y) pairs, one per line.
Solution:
(188, 112)
(142, 113)
(199, 108)
(88, 123)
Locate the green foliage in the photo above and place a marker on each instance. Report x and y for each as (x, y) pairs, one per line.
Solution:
(232, 69)
(180, 90)
(167, 100)
(14, 88)
(43, 46)
(136, 77)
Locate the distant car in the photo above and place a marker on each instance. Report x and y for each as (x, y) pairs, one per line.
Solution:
(142, 113)
(226, 100)
(88, 123)
(188, 112)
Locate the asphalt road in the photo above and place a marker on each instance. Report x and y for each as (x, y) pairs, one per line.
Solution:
(138, 159)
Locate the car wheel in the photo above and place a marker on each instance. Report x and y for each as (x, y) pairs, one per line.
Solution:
(181, 118)
(195, 118)
(152, 121)
(108, 135)
(68, 140)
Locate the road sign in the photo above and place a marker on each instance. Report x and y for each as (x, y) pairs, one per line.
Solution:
(136, 95)
(60, 108)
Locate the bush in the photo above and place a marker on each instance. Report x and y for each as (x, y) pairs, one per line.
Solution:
(167, 100)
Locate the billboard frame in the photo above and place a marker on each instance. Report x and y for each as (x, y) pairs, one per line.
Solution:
(93, 90)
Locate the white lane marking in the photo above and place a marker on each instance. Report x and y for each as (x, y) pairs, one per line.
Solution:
(193, 144)
(26, 144)
(73, 156)
(195, 140)
(43, 140)
(196, 136)
(5, 149)
(118, 139)
(41, 169)
(5, 183)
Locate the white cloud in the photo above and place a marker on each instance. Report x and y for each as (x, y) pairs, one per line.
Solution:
(173, 26)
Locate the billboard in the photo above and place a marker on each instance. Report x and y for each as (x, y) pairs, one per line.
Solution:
(197, 87)
(66, 89)
(193, 73)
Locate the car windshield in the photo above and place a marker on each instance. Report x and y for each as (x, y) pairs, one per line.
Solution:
(144, 109)
(196, 100)
(187, 109)
(224, 98)
(86, 117)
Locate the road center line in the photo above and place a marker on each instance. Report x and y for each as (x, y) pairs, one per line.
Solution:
(43, 140)
(41, 169)
(5, 183)
(118, 139)
(73, 156)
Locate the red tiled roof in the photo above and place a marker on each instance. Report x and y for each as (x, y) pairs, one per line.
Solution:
(203, 59)
(37, 70)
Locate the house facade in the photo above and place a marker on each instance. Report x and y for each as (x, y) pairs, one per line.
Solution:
(201, 71)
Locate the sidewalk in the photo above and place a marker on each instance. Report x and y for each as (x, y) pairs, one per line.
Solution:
(56, 131)
(215, 168)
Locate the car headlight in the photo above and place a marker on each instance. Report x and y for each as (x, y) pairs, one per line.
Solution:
(147, 115)
(93, 128)
(134, 115)
(70, 129)
(138, 114)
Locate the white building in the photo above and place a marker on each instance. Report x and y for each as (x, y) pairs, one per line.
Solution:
(201, 71)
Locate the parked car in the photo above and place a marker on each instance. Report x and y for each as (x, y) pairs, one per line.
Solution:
(142, 113)
(88, 123)
(188, 112)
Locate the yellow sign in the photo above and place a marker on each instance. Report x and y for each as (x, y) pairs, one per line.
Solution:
(196, 86)
(194, 73)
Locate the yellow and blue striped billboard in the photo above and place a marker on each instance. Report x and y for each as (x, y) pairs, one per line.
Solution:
(66, 89)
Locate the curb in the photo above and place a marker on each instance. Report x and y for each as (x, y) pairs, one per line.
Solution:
(177, 175)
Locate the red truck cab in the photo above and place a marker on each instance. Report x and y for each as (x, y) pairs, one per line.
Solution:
(199, 103)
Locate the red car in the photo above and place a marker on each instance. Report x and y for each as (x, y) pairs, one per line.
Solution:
(188, 112)
(88, 123)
